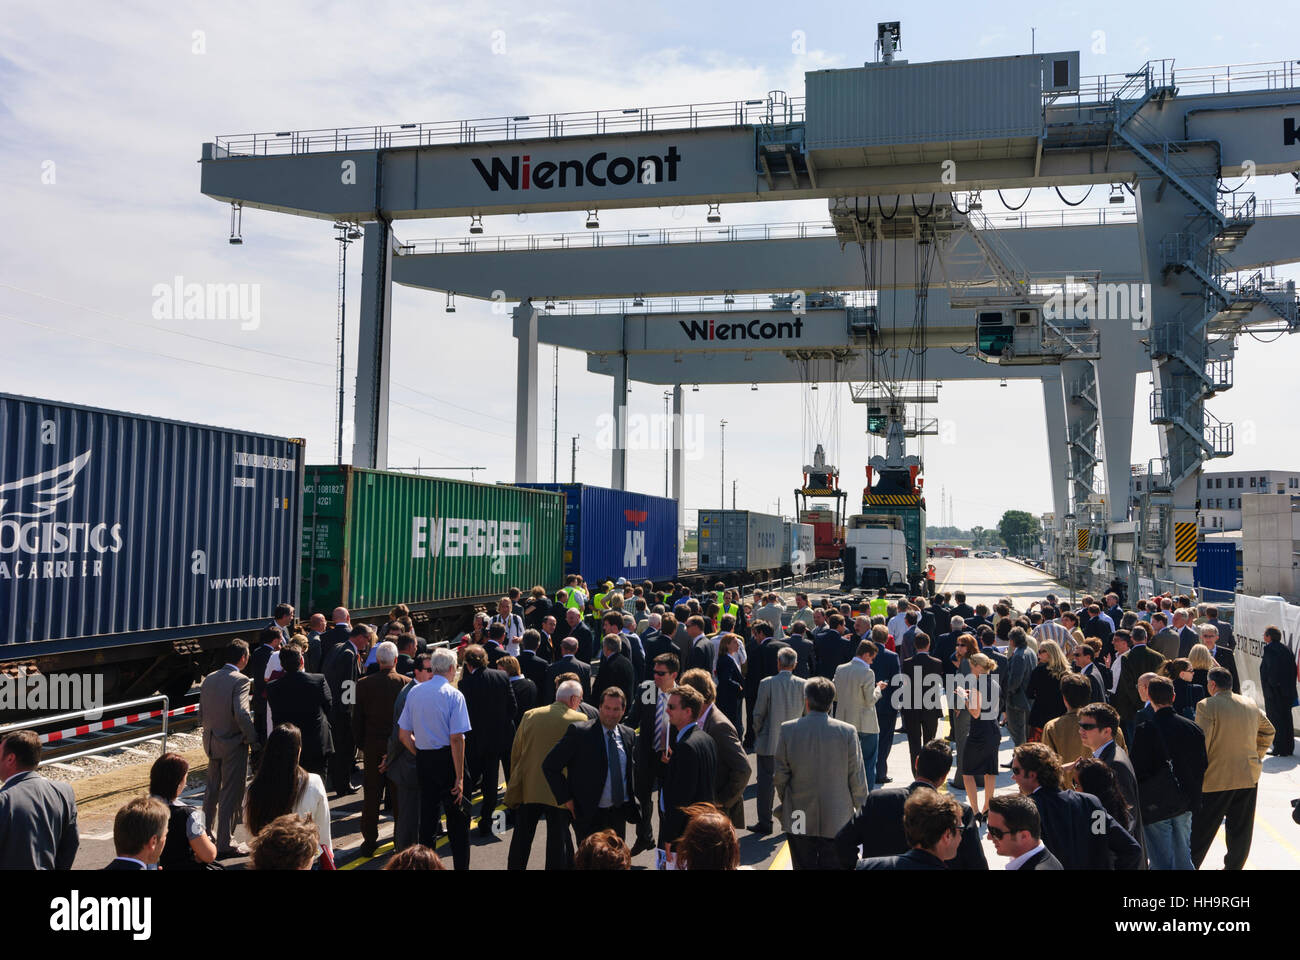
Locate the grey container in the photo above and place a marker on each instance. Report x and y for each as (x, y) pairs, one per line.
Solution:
(740, 540)
(949, 100)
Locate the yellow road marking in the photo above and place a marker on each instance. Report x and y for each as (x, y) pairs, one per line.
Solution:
(782, 859)
(386, 848)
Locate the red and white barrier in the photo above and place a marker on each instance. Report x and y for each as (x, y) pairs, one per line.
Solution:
(101, 725)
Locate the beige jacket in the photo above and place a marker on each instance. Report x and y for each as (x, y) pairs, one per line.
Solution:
(856, 694)
(1237, 735)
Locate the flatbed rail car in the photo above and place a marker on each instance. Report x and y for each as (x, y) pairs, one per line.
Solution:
(134, 547)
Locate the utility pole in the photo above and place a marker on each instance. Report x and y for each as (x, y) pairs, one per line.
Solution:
(668, 438)
(573, 461)
(555, 416)
(733, 493)
(722, 469)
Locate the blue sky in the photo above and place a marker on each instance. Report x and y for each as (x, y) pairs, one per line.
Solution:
(119, 101)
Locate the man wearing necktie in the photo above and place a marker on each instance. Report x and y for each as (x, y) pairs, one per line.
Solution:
(653, 743)
(591, 770)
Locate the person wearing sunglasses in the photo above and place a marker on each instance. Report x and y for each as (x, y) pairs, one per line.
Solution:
(1016, 832)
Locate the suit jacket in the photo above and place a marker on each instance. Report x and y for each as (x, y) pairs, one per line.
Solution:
(1170, 735)
(1237, 736)
(342, 666)
(1062, 735)
(1226, 639)
(830, 650)
(313, 655)
(690, 778)
(922, 665)
(1067, 822)
(1116, 757)
(303, 699)
(655, 643)
(121, 863)
(1224, 658)
(224, 712)
(1042, 860)
(733, 770)
(401, 762)
(566, 665)
(819, 772)
(335, 635)
(1277, 674)
(944, 648)
(533, 666)
(1167, 643)
(856, 695)
(538, 733)
(914, 859)
(1139, 660)
(731, 687)
(886, 667)
(490, 701)
(1099, 688)
(1188, 637)
(525, 698)
(372, 717)
(38, 823)
(587, 648)
(807, 652)
(577, 768)
(878, 828)
(701, 655)
(1020, 667)
(780, 698)
(614, 671)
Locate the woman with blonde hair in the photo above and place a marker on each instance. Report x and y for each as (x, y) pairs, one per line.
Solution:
(979, 696)
(1044, 688)
(1200, 662)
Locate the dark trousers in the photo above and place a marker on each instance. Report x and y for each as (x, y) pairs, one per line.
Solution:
(1279, 714)
(344, 759)
(813, 853)
(645, 788)
(751, 704)
(1238, 808)
(603, 818)
(406, 814)
(481, 774)
(921, 726)
(766, 789)
(437, 773)
(888, 723)
(374, 783)
(559, 844)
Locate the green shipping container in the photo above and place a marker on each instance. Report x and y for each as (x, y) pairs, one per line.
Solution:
(373, 539)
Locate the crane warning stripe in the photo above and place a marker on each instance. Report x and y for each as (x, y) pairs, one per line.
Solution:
(1081, 537)
(892, 499)
(1184, 542)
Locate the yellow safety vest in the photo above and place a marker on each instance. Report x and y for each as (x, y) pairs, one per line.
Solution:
(879, 607)
(576, 599)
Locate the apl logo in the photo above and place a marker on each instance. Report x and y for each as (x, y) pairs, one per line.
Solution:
(634, 552)
(25, 503)
(598, 170)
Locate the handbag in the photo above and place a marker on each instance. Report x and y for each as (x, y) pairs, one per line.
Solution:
(1161, 796)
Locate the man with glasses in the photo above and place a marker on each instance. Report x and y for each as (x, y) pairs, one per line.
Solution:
(1084, 661)
(1016, 832)
(653, 746)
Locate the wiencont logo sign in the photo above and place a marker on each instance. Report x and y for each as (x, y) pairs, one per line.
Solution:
(756, 329)
(598, 170)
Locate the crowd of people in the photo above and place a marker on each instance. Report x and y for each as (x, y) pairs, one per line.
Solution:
(623, 717)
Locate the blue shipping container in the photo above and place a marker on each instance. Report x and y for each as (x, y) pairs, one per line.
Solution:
(616, 533)
(1216, 566)
(117, 528)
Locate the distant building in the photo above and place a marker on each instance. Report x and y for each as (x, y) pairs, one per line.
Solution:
(1221, 491)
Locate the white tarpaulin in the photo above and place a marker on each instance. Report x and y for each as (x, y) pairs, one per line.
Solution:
(1251, 615)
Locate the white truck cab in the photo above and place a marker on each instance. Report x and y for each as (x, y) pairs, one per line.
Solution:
(880, 552)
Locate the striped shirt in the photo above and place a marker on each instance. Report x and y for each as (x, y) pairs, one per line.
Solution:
(1055, 630)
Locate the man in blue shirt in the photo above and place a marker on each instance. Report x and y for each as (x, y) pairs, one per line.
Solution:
(433, 727)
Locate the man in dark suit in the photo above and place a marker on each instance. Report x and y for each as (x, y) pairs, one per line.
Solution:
(1016, 831)
(1168, 802)
(961, 608)
(372, 725)
(1098, 726)
(1277, 675)
(495, 645)
(614, 670)
(1140, 659)
(932, 822)
(878, 826)
(654, 641)
(336, 635)
(490, 702)
(303, 699)
(581, 634)
(886, 667)
(945, 647)
(692, 765)
(531, 663)
(547, 641)
(1082, 658)
(922, 696)
(525, 693)
(38, 817)
(831, 649)
(1076, 827)
(569, 662)
(798, 641)
(1188, 635)
(139, 834)
(1209, 637)
(1226, 639)
(342, 670)
(701, 652)
(592, 770)
(269, 642)
(733, 767)
(653, 746)
(942, 614)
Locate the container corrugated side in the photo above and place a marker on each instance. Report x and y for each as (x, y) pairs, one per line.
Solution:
(617, 533)
(723, 539)
(764, 547)
(428, 541)
(952, 100)
(117, 528)
(1216, 566)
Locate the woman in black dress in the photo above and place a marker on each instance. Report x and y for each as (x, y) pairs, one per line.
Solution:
(980, 757)
(188, 846)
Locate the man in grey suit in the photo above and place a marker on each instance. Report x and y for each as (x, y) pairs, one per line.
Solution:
(856, 693)
(227, 735)
(1166, 640)
(38, 817)
(820, 778)
(1020, 664)
(399, 767)
(780, 698)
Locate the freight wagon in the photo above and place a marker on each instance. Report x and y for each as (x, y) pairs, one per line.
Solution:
(372, 539)
(134, 547)
(616, 533)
